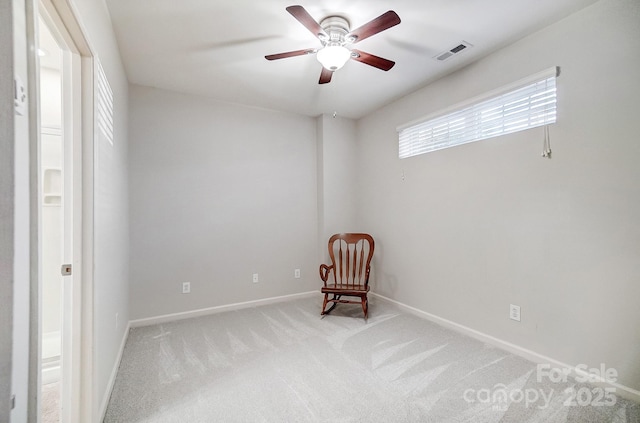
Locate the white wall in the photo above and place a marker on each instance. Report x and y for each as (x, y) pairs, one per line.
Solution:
(474, 228)
(111, 209)
(51, 99)
(218, 192)
(51, 236)
(337, 154)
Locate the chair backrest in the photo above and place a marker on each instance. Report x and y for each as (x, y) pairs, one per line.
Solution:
(351, 258)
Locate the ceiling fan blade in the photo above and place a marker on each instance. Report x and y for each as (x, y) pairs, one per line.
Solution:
(305, 19)
(325, 76)
(371, 60)
(379, 24)
(290, 54)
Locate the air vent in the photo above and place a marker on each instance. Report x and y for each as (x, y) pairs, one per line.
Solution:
(445, 55)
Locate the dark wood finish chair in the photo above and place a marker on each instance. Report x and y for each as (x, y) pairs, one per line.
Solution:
(350, 256)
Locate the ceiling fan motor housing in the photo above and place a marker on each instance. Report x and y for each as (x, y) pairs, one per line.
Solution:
(336, 28)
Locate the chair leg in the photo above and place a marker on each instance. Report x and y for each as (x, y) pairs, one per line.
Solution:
(365, 306)
(324, 304)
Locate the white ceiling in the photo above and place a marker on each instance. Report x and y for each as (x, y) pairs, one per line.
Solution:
(216, 48)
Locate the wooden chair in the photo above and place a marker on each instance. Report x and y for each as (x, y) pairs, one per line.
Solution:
(350, 265)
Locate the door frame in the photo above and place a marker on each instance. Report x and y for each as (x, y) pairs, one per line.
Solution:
(77, 363)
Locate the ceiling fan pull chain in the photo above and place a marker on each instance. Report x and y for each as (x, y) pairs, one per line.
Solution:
(546, 146)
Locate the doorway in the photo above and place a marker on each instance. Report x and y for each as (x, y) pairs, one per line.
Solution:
(59, 227)
(52, 210)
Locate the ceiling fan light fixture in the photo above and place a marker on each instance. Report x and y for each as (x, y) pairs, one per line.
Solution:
(333, 57)
(335, 34)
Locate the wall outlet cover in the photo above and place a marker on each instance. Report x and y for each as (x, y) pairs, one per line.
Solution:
(514, 312)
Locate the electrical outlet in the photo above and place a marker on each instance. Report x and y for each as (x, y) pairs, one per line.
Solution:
(296, 273)
(514, 312)
(186, 287)
(255, 278)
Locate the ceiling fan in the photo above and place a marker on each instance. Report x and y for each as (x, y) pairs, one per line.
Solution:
(336, 37)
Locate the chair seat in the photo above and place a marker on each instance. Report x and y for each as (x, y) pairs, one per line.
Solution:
(345, 289)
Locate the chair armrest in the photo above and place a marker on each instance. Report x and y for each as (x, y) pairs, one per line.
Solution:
(324, 272)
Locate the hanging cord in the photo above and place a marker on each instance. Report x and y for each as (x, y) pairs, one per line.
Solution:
(546, 146)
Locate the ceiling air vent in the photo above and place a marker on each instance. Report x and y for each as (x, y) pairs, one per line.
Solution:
(445, 55)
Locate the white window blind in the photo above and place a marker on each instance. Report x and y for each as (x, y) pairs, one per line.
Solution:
(527, 103)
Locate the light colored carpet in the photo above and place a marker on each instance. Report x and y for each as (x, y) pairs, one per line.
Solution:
(50, 403)
(283, 363)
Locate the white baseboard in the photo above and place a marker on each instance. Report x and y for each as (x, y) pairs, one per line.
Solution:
(114, 372)
(620, 390)
(51, 344)
(218, 309)
(50, 372)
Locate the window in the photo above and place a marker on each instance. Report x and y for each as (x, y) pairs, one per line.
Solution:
(525, 104)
